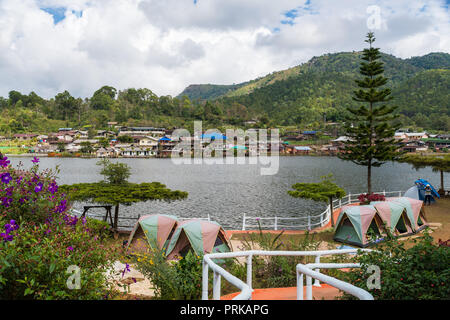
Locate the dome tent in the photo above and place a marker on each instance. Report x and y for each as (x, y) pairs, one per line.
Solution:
(153, 230)
(199, 235)
(354, 223)
(395, 217)
(414, 210)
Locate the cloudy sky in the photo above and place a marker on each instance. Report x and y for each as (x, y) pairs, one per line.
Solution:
(49, 46)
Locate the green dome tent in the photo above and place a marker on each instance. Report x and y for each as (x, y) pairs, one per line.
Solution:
(414, 210)
(354, 223)
(152, 230)
(199, 235)
(394, 215)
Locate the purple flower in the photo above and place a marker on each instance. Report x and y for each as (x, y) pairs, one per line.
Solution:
(6, 237)
(53, 188)
(38, 187)
(62, 207)
(6, 177)
(4, 162)
(70, 248)
(127, 269)
(6, 202)
(35, 160)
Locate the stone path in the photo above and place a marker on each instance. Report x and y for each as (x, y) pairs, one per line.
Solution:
(141, 287)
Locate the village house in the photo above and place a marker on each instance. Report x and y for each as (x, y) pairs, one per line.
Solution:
(136, 152)
(141, 131)
(415, 146)
(416, 136)
(24, 136)
(106, 152)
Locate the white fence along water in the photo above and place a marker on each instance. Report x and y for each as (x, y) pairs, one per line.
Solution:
(308, 222)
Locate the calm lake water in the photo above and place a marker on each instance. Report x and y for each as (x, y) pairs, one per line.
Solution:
(226, 192)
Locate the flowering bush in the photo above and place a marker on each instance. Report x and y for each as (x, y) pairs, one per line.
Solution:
(29, 195)
(39, 241)
(367, 198)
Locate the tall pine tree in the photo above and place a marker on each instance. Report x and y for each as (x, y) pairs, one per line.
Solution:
(368, 126)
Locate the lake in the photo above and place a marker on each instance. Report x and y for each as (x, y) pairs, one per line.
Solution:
(226, 192)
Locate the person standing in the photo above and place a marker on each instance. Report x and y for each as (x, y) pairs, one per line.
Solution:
(428, 194)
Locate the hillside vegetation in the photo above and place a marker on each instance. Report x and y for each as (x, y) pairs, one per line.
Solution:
(302, 96)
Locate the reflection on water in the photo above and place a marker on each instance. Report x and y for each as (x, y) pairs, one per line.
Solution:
(226, 192)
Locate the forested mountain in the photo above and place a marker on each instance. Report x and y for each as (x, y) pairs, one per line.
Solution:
(322, 87)
(434, 60)
(302, 96)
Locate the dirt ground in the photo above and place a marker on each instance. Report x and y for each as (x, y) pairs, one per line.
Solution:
(439, 213)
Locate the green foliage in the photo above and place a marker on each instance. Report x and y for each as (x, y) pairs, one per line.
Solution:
(34, 265)
(35, 256)
(434, 60)
(126, 194)
(172, 280)
(418, 273)
(321, 191)
(369, 126)
(301, 95)
(99, 228)
(86, 147)
(437, 162)
(115, 173)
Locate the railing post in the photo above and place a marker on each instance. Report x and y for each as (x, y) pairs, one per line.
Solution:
(249, 271)
(216, 286)
(384, 192)
(309, 222)
(317, 282)
(340, 202)
(243, 222)
(276, 223)
(349, 198)
(299, 285)
(308, 288)
(399, 193)
(205, 281)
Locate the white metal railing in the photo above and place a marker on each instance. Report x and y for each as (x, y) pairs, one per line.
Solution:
(246, 287)
(312, 221)
(302, 269)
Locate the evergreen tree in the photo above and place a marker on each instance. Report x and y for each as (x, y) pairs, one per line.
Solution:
(368, 126)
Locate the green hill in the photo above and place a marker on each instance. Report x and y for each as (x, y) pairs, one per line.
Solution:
(323, 86)
(434, 60)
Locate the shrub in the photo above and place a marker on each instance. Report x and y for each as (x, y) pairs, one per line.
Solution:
(29, 195)
(172, 280)
(419, 272)
(40, 241)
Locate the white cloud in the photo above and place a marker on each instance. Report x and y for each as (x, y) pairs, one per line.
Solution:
(167, 45)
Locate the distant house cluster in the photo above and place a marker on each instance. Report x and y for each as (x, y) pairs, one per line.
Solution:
(133, 142)
(306, 142)
(143, 142)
